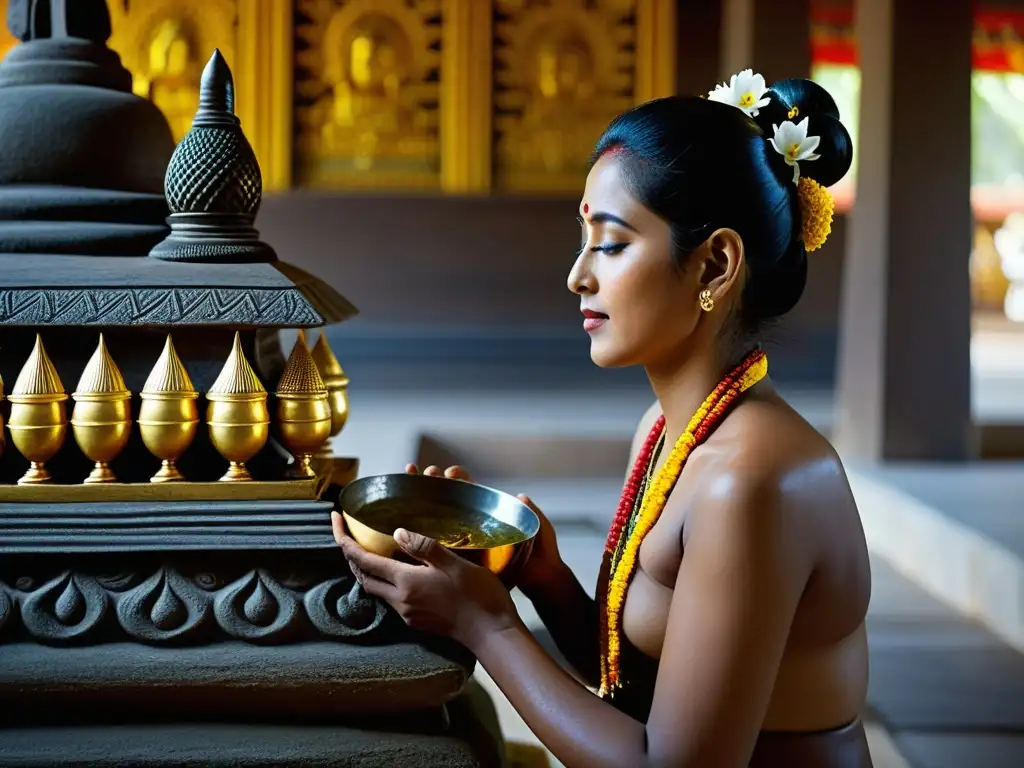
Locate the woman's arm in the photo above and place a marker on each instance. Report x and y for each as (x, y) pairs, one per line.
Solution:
(734, 601)
(570, 615)
(566, 608)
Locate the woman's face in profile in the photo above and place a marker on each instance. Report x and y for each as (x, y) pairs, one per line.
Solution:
(639, 307)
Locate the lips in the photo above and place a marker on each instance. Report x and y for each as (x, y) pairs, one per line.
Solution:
(593, 320)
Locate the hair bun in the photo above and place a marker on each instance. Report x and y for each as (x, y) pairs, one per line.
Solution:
(799, 98)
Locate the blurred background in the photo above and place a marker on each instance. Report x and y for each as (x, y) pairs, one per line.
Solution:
(426, 157)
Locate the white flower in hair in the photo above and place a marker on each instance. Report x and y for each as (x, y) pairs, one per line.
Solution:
(744, 91)
(792, 142)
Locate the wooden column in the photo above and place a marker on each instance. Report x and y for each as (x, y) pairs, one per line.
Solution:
(698, 45)
(772, 37)
(904, 377)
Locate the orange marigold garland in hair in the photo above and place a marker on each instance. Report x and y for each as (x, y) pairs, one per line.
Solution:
(642, 503)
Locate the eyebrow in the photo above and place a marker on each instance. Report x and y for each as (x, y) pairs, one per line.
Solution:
(600, 217)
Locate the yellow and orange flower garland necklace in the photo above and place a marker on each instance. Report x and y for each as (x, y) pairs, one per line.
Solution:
(642, 502)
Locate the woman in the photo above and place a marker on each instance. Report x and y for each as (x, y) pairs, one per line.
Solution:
(728, 628)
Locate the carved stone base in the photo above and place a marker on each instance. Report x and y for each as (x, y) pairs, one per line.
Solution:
(121, 682)
(465, 744)
(250, 639)
(212, 238)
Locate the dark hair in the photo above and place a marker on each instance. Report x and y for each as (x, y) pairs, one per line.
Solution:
(702, 165)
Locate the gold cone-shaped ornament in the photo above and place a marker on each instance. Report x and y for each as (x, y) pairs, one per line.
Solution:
(101, 418)
(303, 412)
(237, 414)
(337, 387)
(169, 414)
(38, 413)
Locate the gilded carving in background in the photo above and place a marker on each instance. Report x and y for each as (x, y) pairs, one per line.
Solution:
(7, 40)
(166, 43)
(367, 92)
(563, 69)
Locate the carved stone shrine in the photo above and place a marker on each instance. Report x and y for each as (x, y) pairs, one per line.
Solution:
(170, 590)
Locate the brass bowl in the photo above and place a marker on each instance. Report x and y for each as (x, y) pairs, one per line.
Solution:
(487, 527)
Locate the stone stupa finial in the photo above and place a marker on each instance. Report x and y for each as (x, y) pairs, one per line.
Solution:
(62, 89)
(216, 94)
(213, 183)
(41, 19)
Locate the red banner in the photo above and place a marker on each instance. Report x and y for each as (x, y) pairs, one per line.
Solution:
(998, 36)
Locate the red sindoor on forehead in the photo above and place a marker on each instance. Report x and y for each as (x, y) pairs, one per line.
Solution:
(586, 208)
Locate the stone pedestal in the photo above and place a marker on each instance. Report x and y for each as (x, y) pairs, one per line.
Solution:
(192, 622)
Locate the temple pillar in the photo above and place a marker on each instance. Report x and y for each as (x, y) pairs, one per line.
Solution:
(772, 37)
(904, 375)
(698, 47)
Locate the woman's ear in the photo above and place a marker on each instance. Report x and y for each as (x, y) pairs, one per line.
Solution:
(722, 264)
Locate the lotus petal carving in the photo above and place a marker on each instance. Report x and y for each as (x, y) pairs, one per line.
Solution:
(65, 609)
(165, 607)
(340, 608)
(256, 608)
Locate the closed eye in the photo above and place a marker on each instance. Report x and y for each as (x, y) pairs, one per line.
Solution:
(609, 248)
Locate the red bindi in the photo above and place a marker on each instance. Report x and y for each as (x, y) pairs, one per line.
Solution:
(586, 208)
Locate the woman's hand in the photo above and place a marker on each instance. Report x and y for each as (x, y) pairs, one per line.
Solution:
(545, 562)
(446, 595)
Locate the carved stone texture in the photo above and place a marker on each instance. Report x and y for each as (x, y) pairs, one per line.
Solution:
(5, 608)
(157, 306)
(183, 526)
(106, 290)
(172, 608)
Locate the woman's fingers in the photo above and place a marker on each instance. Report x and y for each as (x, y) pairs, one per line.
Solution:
(364, 565)
(456, 472)
(375, 566)
(338, 527)
(376, 587)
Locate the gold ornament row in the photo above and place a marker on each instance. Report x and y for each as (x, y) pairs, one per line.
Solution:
(311, 408)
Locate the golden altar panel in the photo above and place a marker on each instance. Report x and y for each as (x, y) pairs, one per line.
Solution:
(367, 93)
(460, 96)
(165, 45)
(562, 70)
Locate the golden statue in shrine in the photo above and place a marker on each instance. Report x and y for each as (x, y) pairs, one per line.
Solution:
(159, 42)
(558, 125)
(170, 78)
(367, 93)
(365, 75)
(563, 78)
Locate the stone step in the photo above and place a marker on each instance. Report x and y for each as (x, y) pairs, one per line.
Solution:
(957, 531)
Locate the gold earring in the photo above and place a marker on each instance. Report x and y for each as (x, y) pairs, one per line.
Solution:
(706, 302)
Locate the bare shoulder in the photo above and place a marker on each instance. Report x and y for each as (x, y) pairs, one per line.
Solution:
(767, 471)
